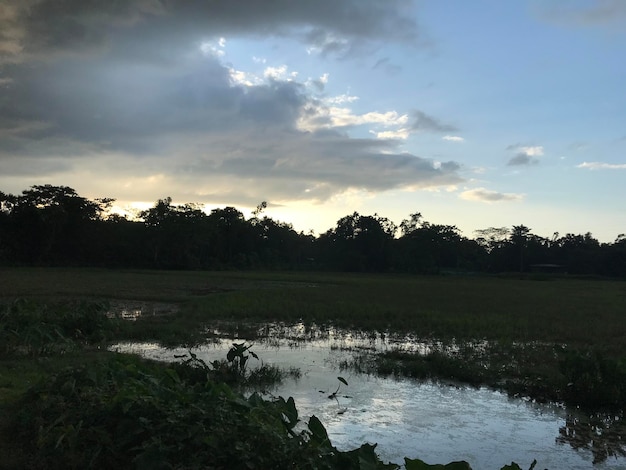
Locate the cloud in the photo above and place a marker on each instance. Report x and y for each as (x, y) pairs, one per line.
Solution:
(145, 105)
(525, 155)
(46, 28)
(422, 122)
(453, 138)
(397, 134)
(602, 166)
(279, 73)
(522, 159)
(485, 195)
(596, 13)
(321, 115)
(341, 99)
(320, 83)
(215, 48)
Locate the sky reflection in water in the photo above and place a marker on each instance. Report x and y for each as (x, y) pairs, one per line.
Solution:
(437, 423)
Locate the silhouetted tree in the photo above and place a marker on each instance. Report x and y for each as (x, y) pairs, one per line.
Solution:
(429, 248)
(519, 238)
(359, 243)
(53, 225)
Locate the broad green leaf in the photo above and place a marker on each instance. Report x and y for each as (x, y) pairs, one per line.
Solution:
(317, 429)
(291, 412)
(515, 466)
(417, 464)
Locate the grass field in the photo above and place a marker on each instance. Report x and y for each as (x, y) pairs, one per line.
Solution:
(549, 339)
(579, 313)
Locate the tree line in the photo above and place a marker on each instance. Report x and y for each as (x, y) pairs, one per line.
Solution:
(49, 225)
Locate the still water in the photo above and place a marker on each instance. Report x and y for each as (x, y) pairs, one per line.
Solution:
(434, 422)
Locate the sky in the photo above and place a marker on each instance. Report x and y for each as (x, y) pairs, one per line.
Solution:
(482, 113)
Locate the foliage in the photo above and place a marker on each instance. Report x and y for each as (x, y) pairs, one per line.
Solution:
(587, 379)
(523, 323)
(131, 414)
(594, 380)
(37, 329)
(238, 356)
(417, 464)
(52, 225)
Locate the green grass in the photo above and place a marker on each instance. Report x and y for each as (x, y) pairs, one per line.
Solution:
(587, 316)
(562, 339)
(580, 313)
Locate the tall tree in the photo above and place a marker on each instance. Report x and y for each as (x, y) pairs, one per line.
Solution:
(519, 239)
(359, 243)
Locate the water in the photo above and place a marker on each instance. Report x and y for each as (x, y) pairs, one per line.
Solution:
(436, 423)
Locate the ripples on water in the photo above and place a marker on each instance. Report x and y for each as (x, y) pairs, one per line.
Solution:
(434, 422)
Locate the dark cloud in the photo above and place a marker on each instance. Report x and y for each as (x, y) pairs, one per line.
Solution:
(316, 167)
(525, 154)
(522, 159)
(45, 28)
(120, 94)
(125, 107)
(424, 122)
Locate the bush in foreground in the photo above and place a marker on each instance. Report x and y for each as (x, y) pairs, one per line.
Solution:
(129, 413)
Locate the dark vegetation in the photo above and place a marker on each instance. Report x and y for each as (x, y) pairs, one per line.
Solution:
(546, 323)
(54, 226)
(68, 406)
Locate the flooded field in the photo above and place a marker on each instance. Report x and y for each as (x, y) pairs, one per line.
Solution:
(437, 423)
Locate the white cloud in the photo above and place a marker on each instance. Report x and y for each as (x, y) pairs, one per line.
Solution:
(239, 77)
(486, 195)
(602, 166)
(397, 134)
(212, 48)
(536, 151)
(341, 99)
(279, 73)
(453, 138)
(327, 117)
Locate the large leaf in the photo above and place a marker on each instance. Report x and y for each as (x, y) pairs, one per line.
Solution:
(515, 466)
(369, 460)
(318, 430)
(417, 464)
(291, 413)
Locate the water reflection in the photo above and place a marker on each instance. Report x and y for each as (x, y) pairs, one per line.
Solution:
(435, 422)
(602, 434)
(132, 310)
